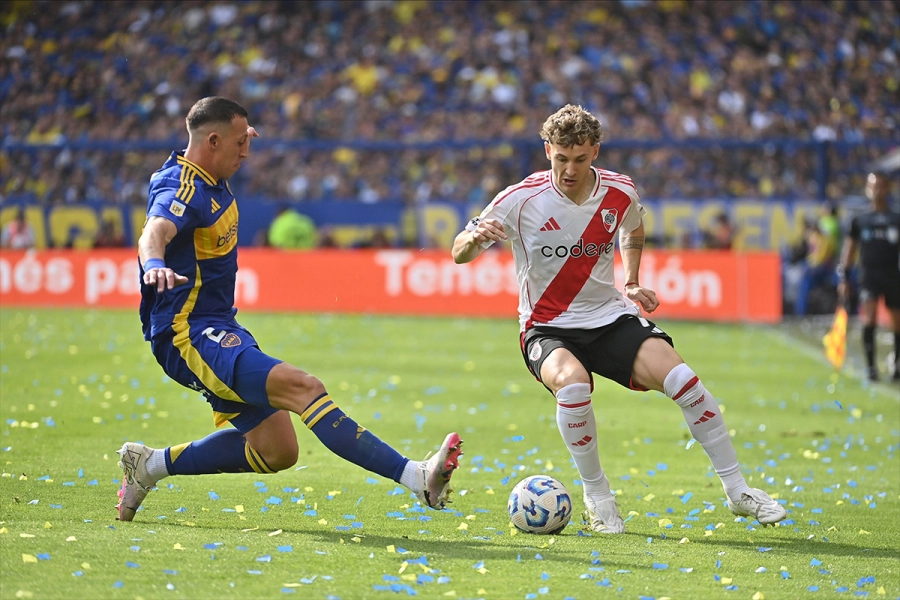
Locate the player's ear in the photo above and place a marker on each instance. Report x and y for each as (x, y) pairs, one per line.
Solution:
(212, 140)
(596, 152)
(547, 150)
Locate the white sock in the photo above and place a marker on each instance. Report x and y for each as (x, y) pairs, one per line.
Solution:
(410, 477)
(578, 427)
(704, 419)
(156, 465)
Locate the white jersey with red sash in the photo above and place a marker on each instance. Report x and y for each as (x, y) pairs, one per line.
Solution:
(564, 252)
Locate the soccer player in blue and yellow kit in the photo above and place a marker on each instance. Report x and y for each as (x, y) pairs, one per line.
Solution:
(188, 265)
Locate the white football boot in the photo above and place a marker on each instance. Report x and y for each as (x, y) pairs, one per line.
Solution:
(603, 515)
(759, 505)
(136, 482)
(436, 472)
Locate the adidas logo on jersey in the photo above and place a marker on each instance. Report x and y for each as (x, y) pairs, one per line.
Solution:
(551, 225)
(215, 206)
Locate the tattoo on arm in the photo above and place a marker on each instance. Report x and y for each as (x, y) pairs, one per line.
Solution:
(634, 242)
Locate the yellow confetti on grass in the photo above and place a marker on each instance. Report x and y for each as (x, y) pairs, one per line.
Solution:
(649, 497)
(726, 580)
(409, 577)
(665, 522)
(759, 596)
(28, 535)
(881, 591)
(239, 508)
(391, 548)
(403, 566)
(450, 594)
(463, 527)
(177, 546)
(29, 558)
(71, 538)
(322, 522)
(47, 525)
(684, 540)
(481, 591)
(355, 539)
(864, 532)
(276, 532)
(4, 530)
(85, 565)
(482, 570)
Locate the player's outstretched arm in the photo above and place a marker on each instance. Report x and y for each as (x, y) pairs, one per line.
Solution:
(469, 245)
(631, 245)
(157, 234)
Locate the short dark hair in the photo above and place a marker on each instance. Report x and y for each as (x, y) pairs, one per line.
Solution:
(214, 109)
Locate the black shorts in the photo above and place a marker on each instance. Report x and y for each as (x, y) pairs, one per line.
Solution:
(875, 283)
(608, 351)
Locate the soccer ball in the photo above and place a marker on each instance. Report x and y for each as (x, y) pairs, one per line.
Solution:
(540, 504)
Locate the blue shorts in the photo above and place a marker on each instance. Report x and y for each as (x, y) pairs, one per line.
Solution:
(223, 362)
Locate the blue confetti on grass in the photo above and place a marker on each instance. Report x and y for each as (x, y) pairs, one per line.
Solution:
(285, 548)
(132, 565)
(815, 562)
(213, 496)
(518, 438)
(170, 572)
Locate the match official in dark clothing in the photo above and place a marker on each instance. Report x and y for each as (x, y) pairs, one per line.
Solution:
(877, 236)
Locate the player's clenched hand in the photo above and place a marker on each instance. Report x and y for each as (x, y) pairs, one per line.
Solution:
(489, 230)
(645, 297)
(163, 279)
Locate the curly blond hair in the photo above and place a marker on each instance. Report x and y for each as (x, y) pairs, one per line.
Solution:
(572, 126)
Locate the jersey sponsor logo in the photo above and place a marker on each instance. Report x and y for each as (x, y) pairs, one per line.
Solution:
(577, 425)
(551, 225)
(535, 352)
(176, 208)
(577, 250)
(231, 340)
(226, 238)
(696, 402)
(610, 218)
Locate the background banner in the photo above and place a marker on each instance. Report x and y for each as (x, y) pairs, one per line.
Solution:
(714, 286)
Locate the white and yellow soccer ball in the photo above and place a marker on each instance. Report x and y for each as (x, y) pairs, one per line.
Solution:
(540, 504)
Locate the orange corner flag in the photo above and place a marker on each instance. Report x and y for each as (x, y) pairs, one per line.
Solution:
(836, 340)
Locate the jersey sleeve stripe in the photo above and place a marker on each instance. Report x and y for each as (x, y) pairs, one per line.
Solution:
(526, 184)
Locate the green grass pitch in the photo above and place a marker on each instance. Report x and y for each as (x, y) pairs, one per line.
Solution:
(76, 384)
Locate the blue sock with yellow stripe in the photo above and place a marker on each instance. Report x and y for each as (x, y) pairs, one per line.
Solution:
(224, 451)
(352, 442)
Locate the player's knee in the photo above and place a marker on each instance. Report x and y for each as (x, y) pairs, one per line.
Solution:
(283, 456)
(293, 389)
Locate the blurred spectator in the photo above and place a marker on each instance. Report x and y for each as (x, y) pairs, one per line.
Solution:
(720, 235)
(108, 237)
(291, 230)
(444, 72)
(817, 292)
(17, 234)
(830, 226)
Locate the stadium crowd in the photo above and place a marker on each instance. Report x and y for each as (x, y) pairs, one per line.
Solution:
(446, 73)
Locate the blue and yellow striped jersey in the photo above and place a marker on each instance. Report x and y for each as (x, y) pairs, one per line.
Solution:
(204, 249)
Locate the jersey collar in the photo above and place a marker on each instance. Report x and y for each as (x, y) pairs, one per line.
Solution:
(200, 171)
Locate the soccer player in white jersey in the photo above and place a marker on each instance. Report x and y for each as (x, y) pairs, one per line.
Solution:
(562, 225)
